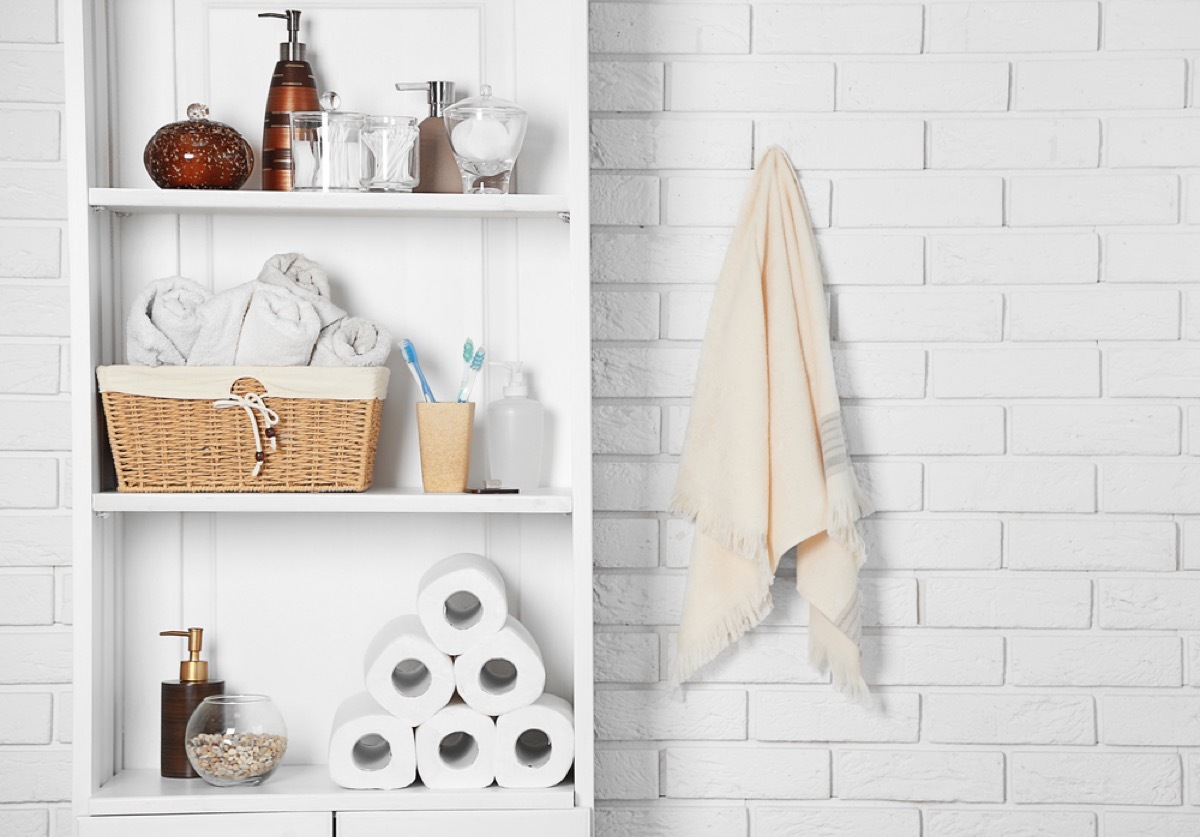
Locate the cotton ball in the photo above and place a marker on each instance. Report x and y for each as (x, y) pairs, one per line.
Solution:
(481, 139)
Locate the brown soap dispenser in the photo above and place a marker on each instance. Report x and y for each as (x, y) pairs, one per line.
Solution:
(439, 169)
(292, 88)
(179, 700)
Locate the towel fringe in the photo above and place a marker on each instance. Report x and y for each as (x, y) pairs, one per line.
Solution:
(748, 545)
(846, 670)
(848, 503)
(729, 630)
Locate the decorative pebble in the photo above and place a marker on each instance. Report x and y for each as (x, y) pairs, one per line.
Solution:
(240, 755)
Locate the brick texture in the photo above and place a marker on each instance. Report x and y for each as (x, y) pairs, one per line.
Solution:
(1008, 208)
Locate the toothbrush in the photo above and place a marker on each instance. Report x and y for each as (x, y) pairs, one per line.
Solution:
(414, 366)
(469, 383)
(468, 352)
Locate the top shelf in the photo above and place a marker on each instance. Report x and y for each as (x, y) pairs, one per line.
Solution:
(224, 202)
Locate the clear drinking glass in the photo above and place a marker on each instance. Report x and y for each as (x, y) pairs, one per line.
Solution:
(234, 740)
(390, 156)
(325, 151)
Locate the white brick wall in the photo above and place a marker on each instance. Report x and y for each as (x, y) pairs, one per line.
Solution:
(919, 775)
(955, 823)
(1098, 778)
(1007, 201)
(954, 153)
(35, 536)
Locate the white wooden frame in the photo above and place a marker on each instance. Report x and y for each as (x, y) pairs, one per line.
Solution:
(100, 517)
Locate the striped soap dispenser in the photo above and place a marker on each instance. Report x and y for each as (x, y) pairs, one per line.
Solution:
(293, 88)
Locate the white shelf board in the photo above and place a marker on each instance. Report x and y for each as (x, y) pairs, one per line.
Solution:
(216, 202)
(305, 787)
(381, 500)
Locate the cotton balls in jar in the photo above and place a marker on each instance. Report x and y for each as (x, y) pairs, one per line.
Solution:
(483, 139)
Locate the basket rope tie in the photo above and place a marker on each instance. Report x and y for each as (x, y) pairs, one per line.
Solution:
(270, 418)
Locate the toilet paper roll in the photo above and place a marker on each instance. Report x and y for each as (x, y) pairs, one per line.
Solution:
(406, 673)
(535, 746)
(369, 748)
(461, 600)
(456, 749)
(502, 672)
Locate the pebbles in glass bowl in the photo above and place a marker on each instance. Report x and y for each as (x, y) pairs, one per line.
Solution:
(234, 740)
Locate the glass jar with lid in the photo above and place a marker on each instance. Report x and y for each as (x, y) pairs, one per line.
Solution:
(486, 133)
(325, 148)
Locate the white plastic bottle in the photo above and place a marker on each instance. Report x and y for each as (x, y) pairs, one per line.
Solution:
(515, 425)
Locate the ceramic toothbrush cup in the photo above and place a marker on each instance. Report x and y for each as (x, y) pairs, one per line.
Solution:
(444, 431)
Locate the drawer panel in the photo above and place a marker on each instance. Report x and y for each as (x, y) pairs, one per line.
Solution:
(576, 822)
(309, 824)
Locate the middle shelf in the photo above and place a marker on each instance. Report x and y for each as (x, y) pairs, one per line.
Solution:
(378, 500)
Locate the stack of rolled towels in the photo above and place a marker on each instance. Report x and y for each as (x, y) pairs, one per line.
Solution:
(283, 318)
(454, 694)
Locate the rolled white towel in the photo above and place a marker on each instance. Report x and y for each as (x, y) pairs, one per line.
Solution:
(221, 320)
(163, 322)
(256, 325)
(280, 329)
(352, 341)
(306, 279)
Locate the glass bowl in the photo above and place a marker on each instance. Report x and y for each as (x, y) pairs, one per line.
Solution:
(236, 740)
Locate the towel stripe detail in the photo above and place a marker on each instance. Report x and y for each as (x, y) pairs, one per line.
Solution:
(849, 622)
(833, 443)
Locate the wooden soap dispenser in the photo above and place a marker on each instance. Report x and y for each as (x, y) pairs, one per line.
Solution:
(179, 700)
(293, 88)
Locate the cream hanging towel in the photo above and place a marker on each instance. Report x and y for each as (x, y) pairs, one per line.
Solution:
(765, 466)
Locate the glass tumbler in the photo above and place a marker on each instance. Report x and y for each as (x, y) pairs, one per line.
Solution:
(390, 155)
(235, 740)
(325, 151)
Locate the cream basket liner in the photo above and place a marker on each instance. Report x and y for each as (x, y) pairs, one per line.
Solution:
(337, 383)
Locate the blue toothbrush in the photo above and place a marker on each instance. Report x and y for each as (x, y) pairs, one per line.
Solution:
(464, 391)
(414, 366)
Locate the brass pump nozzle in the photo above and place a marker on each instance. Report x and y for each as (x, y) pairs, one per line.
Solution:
(193, 669)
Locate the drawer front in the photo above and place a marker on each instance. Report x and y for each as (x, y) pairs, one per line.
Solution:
(318, 824)
(576, 822)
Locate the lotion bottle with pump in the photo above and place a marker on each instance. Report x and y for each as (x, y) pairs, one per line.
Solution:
(439, 168)
(515, 426)
(293, 88)
(179, 700)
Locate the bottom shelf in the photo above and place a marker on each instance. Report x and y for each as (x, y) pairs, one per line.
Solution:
(305, 787)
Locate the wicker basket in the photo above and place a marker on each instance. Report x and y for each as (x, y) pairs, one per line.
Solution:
(243, 429)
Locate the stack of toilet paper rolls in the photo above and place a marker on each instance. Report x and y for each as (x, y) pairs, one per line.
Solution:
(454, 694)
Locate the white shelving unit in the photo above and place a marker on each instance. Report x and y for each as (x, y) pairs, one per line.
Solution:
(290, 587)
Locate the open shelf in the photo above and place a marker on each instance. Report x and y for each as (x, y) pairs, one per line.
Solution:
(380, 500)
(427, 267)
(305, 787)
(209, 201)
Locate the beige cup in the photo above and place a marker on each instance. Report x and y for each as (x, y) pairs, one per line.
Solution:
(444, 430)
